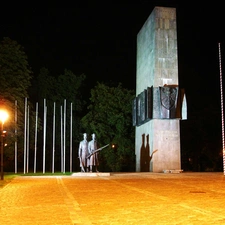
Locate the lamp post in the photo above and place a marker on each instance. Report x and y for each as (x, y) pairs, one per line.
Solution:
(3, 117)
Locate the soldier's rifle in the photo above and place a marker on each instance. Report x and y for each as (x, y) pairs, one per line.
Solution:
(97, 150)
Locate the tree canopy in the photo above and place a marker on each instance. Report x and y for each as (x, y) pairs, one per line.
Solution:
(110, 118)
(19, 83)
(15, 72)
(109, 114)
(15, 77)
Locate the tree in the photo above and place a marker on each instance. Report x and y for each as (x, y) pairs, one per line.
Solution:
(15, 77)
(201, 140)
(56, 89)
(15, 73)
(110, 118)
(43, 86)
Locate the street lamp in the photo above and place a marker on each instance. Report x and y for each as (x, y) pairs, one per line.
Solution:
(3, 118)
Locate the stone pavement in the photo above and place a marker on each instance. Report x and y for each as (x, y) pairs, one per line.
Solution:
(121, 198)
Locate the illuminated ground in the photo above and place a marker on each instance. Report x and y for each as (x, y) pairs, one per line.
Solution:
(122, 198)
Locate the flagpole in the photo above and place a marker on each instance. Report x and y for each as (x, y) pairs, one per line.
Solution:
(53, 141)
(15, 136)
(61, 120)
(35, 138)
(44, 134)
(28, 131)
(71, 135)
(25, 135)
(64, 139)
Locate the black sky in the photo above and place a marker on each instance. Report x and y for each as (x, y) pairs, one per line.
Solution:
(100, 41)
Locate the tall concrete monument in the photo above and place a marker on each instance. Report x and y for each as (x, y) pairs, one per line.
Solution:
(159, 104)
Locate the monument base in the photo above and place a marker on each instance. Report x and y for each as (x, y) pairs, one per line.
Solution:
(172, 171)
(89, 174)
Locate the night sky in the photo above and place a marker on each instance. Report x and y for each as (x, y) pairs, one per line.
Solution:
(100, 41)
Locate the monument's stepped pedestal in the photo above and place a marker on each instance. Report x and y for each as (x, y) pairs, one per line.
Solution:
(157, 140)
(88, 174)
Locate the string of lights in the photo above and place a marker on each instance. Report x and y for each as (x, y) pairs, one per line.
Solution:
(222, 116)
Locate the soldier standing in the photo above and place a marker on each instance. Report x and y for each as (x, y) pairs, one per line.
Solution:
(82, 154)
(93, 160)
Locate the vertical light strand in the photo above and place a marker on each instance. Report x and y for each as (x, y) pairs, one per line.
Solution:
(222, 116)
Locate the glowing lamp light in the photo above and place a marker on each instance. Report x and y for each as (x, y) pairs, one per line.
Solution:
(3, 116)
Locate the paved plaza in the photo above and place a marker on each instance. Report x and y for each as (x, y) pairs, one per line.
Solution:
(120, 198)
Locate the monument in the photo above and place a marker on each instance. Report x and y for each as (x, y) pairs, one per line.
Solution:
(159, 104)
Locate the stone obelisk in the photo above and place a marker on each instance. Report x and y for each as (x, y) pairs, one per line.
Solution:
(159, 104)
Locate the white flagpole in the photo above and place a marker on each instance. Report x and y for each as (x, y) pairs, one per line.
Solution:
(28, 130)
(25, 134)
(71, 136)
(61, 139)
(44, 134)
(15, 136)
(64, 136)
(35, 138)
(222, 115)
(53, 141)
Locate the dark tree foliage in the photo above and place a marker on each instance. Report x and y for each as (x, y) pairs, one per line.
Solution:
(19, 83)
(201, 148)
(15, 77)
(15, 73)
(110, 118)
(61, 94)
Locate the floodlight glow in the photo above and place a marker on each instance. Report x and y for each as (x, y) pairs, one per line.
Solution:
(3, 115)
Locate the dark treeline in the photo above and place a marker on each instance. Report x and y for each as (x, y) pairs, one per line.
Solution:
(106, 112)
